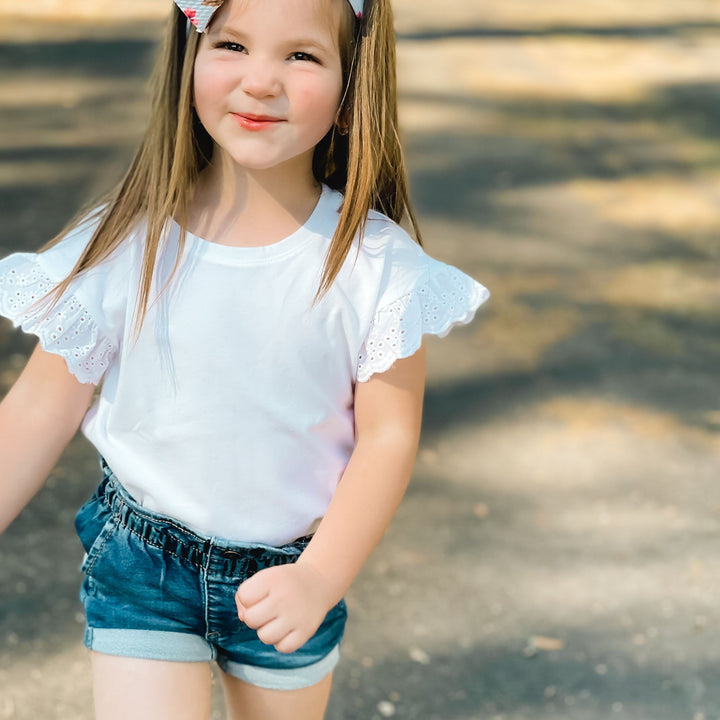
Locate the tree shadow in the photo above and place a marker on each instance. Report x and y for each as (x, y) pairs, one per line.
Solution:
(551, 30)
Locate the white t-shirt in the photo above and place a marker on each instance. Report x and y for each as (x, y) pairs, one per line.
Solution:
(233, 413)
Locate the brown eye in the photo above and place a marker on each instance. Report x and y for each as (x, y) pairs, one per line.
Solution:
(306, 55)
(227, 45)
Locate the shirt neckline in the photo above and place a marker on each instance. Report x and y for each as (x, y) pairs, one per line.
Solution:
(317, 223)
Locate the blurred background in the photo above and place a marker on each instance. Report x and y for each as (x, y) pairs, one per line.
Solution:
(556, 556)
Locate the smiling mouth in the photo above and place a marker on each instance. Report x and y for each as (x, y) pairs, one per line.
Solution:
(251, 124)
(258, 118)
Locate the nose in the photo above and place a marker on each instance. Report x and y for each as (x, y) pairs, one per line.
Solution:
(260, 77)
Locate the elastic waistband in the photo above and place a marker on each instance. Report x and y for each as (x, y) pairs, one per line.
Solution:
(178, 539)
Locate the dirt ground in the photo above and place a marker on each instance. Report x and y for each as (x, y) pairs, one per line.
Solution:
(556, 556)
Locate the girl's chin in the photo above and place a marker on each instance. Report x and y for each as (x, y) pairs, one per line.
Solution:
(258, 163)
(251, 162)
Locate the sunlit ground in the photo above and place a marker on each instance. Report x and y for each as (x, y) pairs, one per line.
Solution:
(556, 556)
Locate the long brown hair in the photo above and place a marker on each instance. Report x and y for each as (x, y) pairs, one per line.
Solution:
(367, 165)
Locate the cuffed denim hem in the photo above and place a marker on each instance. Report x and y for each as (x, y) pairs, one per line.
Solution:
(149, 644)
(185, 647)
(284, 678)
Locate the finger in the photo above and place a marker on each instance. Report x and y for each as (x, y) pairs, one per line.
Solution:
(273, 631)
(253, 590)
(291, 642)
(260, 614)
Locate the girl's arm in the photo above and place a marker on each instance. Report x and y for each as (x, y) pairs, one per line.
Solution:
(38, 418)
(287, 603)
(388, 418)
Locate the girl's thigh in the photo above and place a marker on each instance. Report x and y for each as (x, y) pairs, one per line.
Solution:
(249, 702)
(125, 687)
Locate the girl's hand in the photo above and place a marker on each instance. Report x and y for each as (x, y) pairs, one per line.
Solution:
(286, 604)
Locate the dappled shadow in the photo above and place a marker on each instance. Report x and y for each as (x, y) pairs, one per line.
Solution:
(551, 30)
(84, 58)
(480, 162)
(494, 679)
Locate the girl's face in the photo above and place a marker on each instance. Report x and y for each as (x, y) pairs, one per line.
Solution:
(277, 58)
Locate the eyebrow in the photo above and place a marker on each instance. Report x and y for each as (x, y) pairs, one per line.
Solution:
(298, 41)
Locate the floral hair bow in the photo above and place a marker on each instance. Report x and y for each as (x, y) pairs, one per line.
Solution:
(199, 12)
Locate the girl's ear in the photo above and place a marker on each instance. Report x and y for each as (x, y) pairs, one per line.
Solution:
(343, 122)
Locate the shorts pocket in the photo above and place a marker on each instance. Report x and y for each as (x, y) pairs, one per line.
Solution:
(94, 524)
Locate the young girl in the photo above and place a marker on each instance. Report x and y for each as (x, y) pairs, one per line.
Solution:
(255, 315)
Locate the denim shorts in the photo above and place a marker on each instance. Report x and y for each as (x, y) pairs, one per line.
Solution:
(154, 588)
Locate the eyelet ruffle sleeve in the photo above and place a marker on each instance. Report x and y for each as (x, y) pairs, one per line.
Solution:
(444, 298)
(68, 330)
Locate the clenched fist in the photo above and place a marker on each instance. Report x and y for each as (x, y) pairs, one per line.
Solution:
(286, 604)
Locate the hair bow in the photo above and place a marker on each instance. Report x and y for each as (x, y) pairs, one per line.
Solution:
(199, 12)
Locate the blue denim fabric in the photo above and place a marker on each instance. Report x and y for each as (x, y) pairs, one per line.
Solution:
(153, 588)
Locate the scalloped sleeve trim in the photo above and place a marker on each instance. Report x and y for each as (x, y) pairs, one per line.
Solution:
(448, 297)
(68, 330)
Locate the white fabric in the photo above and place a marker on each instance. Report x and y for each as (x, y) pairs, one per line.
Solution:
(233, 413)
